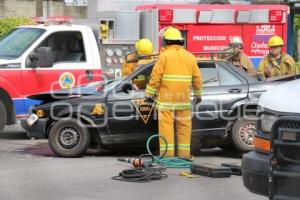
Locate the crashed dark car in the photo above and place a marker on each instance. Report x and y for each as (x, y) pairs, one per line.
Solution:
(113, 115)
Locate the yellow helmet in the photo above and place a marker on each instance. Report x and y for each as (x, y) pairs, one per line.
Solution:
(275, 41)
(144, 46)
(172, 33)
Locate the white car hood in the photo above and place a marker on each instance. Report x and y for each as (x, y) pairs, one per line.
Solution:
(283, 98)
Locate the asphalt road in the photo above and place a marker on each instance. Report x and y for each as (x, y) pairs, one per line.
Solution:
(30, 171)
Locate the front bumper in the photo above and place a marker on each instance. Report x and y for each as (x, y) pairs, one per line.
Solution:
(37, 130)
(255, 172)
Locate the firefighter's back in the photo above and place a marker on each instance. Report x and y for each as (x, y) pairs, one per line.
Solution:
(178, 66)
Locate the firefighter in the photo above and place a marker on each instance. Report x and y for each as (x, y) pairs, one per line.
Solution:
(143, 47)
(238, 57)
(277, 62)
(172, 75)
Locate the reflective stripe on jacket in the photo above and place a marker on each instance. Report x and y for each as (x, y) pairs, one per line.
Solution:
(172, 76)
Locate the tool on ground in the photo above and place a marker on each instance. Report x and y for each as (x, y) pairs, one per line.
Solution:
(142, 161)
(235, 168)
(141, 175)
(144, 170)
(210, 170)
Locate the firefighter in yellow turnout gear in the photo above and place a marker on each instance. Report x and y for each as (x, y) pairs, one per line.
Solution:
(171, 78)
(144, 47)
(277, 63)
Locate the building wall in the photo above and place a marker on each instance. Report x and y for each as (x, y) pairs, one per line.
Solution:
(13, 8)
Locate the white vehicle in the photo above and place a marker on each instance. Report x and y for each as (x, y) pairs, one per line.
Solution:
(272, 169)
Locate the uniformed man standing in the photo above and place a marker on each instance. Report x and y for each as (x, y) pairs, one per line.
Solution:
(277, 62)
(174, 72)
(238, 57)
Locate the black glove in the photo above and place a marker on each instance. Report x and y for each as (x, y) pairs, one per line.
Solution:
(149, 100)
(198, 100)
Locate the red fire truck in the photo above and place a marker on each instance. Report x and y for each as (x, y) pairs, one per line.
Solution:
(208, 28)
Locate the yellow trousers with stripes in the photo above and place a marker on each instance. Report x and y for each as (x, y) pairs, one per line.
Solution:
(175, 123)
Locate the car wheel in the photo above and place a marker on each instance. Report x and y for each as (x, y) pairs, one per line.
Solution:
(3, 118)
(242, 133)
(68, 139)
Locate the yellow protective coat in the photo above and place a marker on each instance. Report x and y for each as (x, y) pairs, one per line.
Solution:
(244, 63)
(286, 67)
(172, 76)
(129, 67)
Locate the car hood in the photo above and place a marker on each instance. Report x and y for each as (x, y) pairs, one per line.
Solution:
(283, 98)
(56, 95)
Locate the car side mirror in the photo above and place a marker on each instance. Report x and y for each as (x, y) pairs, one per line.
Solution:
(125, 87)
(44, 57)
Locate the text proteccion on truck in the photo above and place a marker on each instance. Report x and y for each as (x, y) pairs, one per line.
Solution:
(81, 53)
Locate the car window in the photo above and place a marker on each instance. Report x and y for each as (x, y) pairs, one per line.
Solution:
(141, 79)
(210, 77)
(66, 46)
(227, 78)
(209, 74)
(17, 41)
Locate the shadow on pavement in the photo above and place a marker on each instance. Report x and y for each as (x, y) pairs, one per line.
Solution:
(43, 149)
(13, 135)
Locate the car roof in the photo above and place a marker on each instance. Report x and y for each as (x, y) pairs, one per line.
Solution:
(210, 63)
(283, 98)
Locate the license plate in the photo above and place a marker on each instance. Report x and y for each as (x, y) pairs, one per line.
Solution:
(32, 119)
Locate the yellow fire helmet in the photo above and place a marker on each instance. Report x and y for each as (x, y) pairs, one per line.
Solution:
(172, 33)
(275, 41)
(144, 47)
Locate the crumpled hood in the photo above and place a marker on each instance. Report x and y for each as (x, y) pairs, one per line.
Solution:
(56, 95)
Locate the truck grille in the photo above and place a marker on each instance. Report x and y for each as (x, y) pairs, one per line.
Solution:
(288, 150)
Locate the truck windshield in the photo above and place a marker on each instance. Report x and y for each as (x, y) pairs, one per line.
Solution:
(17, 41)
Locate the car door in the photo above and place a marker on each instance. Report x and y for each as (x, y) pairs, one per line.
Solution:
(124, 117)
(222, 88)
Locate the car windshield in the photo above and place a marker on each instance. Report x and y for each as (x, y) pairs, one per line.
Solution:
(17, 41)
(112, 84)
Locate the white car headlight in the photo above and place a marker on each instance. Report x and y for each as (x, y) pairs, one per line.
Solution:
(267, 122)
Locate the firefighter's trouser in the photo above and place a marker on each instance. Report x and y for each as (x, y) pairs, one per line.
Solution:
(171, 121)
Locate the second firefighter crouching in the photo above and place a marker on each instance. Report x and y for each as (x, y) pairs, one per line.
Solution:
(174, 72)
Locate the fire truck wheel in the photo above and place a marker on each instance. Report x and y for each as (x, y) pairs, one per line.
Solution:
(242, 133)
(3, 118)
(214, 2)
(67, 138)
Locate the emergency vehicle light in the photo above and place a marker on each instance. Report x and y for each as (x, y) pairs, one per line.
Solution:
(53, 19)
(275, 15)
(165, 15)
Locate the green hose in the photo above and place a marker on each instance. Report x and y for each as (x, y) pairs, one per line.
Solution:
(172, 162)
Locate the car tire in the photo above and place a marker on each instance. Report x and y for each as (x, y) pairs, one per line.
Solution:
(67, 138)
(3, 118)
(242, 133)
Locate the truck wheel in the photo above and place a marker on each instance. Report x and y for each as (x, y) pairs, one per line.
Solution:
(3, 118)
(242, 134)
(68, 139)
